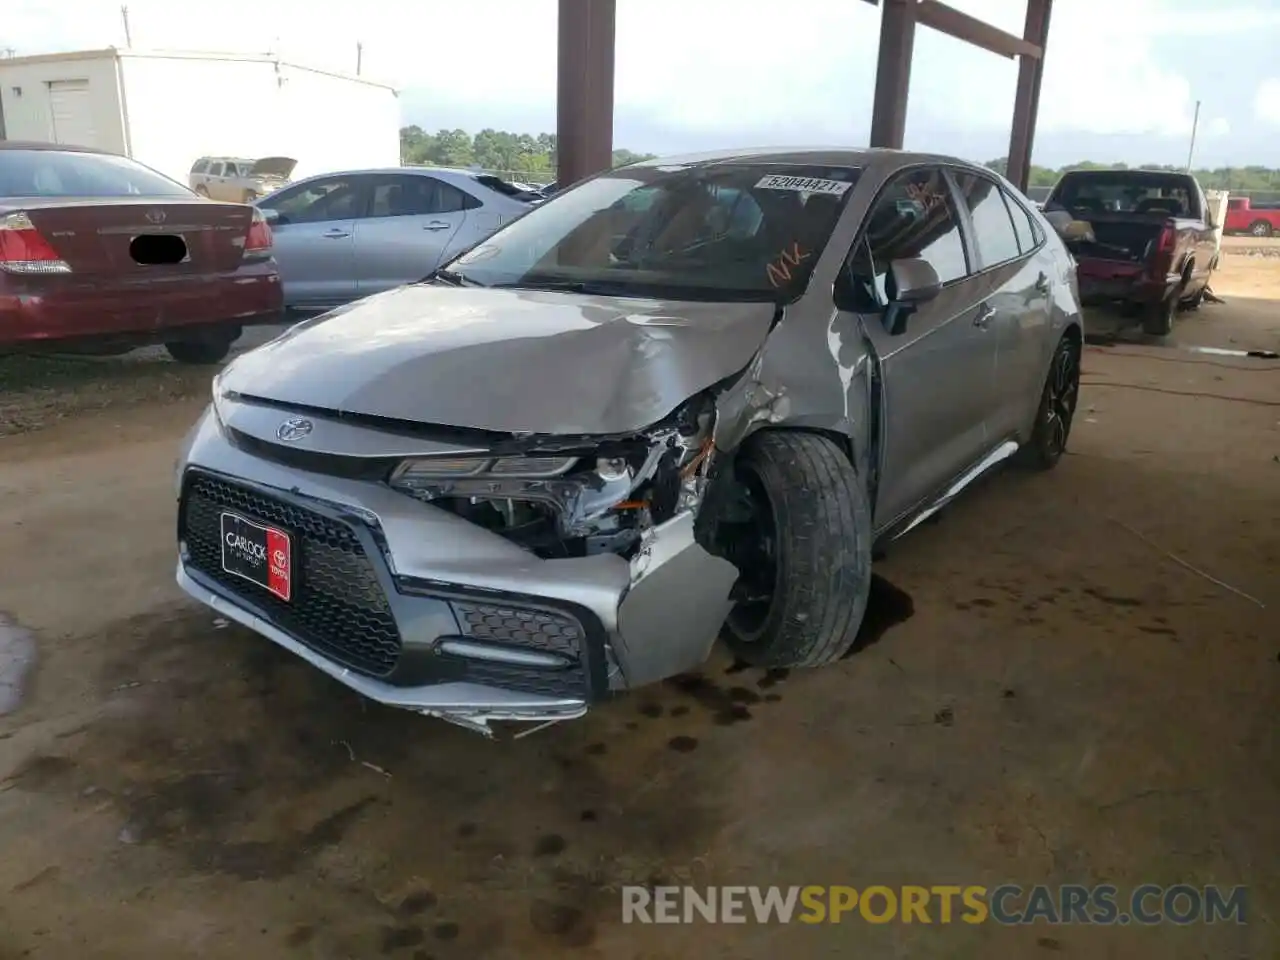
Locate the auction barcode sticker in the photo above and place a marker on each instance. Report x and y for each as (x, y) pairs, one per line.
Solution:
(802, 184)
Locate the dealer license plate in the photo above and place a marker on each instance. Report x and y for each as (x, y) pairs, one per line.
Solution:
(258, 553)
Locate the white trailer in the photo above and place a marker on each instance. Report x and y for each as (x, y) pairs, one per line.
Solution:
(167, 109)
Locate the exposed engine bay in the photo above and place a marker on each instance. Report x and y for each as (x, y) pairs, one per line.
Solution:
(562, 498)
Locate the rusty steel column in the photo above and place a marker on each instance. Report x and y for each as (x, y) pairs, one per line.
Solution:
(1026, 105)
(893, 73)
(584, 89)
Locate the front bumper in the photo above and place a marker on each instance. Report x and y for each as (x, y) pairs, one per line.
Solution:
(413, 607)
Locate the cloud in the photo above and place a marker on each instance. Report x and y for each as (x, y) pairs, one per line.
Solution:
(1217, 127)
(1266, 102)
(726, 69)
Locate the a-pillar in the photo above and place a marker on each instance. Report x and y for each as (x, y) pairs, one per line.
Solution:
(584, 95)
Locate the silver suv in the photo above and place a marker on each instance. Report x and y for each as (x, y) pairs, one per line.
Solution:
(238, 180)
(685, 395)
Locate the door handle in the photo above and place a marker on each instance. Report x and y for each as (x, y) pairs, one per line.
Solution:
(435, 225)
(335, 234)
(984, 316)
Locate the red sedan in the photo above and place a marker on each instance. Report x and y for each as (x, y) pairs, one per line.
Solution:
(101, 254)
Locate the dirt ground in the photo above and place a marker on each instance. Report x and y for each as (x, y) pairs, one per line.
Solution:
(1053, 689)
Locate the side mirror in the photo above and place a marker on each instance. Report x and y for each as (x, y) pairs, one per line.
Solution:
(915, 282)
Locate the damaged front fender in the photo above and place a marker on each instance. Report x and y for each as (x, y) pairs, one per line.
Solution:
(813, 373)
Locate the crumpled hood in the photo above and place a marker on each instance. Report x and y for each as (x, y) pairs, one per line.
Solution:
(513, 361)
(273, 168)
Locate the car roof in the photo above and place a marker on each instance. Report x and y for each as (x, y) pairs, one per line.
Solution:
(41, 145)
(412, 171)
(822, 156)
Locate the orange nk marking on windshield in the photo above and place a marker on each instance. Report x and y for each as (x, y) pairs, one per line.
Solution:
(779, 270)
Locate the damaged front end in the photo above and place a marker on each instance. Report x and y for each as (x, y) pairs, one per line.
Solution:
(518, 579)
(574, 498)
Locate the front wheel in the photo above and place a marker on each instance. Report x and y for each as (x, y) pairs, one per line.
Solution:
(804, 554)
(204, 350)
(203, 191)
(1057, 408)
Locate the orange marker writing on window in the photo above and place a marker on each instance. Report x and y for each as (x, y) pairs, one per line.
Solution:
(779, 272)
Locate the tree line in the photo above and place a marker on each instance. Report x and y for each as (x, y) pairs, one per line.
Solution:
(1254, 178)
(533, 156)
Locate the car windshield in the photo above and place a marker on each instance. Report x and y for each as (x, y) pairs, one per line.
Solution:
(736, 231)
(57, 173)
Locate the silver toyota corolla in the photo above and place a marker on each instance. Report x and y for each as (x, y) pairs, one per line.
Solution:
(686, 395)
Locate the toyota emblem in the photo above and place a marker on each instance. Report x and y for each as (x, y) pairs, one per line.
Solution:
(295, 428)
(155, 216)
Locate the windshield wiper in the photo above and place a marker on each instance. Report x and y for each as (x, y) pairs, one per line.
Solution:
(453, 278)
(646, 289)
(603, 288)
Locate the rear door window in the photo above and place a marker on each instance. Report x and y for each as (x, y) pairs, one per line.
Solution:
(402, 197)
(410, 196)
(1023, 225)
(993, 228)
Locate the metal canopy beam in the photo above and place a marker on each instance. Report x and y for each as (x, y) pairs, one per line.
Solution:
(893, 73)
(898, 19)
(953, 23)
(584, 102)
(584, 89)
(1026, 104)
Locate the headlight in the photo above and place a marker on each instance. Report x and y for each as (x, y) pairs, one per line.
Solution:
(411, 472)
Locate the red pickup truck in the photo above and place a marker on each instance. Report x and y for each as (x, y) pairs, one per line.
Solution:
(1255, 219)
(1150, 247)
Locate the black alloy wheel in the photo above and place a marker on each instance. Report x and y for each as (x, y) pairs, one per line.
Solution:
(1057, 408)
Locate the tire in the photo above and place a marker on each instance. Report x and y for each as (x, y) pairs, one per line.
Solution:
(812, 516)
(203, 351)
(203, 191)
(1260, 228)
(1057, 408)
(1157, 319)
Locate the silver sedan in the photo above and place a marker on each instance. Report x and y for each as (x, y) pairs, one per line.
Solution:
(682, 395)
(343, 236)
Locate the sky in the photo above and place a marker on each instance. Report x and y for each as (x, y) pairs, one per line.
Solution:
(1122, 77)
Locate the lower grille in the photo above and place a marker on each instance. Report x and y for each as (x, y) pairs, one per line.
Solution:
(339, 608)
(525, 628)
